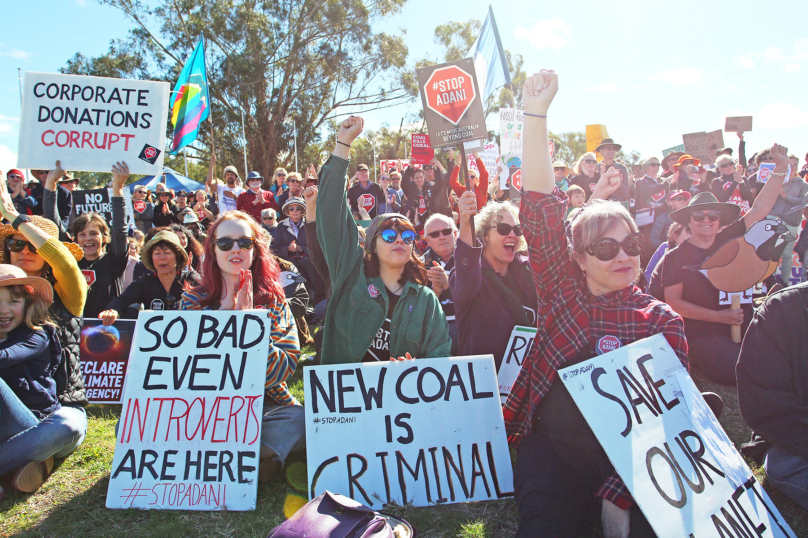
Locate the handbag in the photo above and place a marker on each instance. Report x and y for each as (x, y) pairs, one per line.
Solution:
(332, 515)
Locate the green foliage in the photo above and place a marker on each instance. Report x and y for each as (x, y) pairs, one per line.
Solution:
(569, 146)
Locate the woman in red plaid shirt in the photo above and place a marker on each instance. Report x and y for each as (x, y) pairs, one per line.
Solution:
(588, 304)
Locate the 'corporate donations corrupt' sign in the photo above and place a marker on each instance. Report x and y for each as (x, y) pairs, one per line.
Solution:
(90, 123)
(189, 437)
(668, 447)
(425, 431)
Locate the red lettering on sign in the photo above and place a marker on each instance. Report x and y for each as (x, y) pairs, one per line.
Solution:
(421, 205)
(139, 205)
(150, 152)
(516, 180)
(449, 92)
(367, 201)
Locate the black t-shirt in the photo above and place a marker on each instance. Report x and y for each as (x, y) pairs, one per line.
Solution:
(586, 183)
(369, 198)
(379, 349)
(529, 300)
(697, 289)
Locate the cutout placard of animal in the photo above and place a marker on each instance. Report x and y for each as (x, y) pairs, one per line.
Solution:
(743, 261)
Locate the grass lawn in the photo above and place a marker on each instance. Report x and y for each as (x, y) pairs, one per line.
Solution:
(71, 503)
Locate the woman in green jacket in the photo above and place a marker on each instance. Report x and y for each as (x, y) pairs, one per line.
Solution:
(381, 306)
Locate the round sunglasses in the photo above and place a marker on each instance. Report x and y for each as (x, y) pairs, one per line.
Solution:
(607, 249)
(16, 245)
(226, 243)
(504, 229)
(712, 216)
(390, 235)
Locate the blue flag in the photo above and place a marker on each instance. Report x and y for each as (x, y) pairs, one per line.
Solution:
(489, 58)
(190, 103)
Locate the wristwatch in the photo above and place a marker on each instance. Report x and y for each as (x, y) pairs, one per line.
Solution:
(19, 220)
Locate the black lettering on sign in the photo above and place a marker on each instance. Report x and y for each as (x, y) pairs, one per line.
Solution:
(420, 461)
(150, 370)
(353, 479)
(649, 456)
(316, 387)
(596, 373)
(381, 456)
(320, 470)
(341, 390)
(148, 329)
(371, 394)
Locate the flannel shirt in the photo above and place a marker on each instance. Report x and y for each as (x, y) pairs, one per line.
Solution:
(571, 319)
(284, 346)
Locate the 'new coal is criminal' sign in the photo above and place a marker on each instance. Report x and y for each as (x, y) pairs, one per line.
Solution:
(452, 105)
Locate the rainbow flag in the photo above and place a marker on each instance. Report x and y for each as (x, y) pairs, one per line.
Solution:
(190, 100)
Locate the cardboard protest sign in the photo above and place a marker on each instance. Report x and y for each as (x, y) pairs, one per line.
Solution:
(189, 437)
(100, 201)
(511, 123)
(424, 431)
(667, 446)
(518, 347)
(674, 149)
(703, 145)
(453, 108)
(490, 157)
(422, 152)
(90, 123)
(595, 134)
(104, 353)
(738, 124)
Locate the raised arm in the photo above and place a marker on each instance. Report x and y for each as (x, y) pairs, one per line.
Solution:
(771, 190)
(50, 208)
(537, 167)
(119, 247)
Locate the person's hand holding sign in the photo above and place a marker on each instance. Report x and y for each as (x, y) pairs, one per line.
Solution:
(53, 176)
(467, 208)
(607, 184)
(738, 174)
(120, 173)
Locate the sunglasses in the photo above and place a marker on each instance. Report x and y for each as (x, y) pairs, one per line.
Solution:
(294, 208)
(16, 245)
(14, 176)
(679, 199)
(226, 243)
(390, 235)
(268, 218)
(725, 165)
(164, 194)
(591, 161)
(293, 181)
(40, 172)
(559, 169)
(504, 229)
(607, 248)
(427, 167)
(435, 235)
(280, 175)
(713, 216)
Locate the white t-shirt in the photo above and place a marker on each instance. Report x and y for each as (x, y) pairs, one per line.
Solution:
(225, 203)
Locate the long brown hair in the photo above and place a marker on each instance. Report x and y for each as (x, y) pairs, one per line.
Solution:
(414, 270)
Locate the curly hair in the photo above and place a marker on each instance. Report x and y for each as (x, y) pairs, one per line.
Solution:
(414, 270)
(491, 215)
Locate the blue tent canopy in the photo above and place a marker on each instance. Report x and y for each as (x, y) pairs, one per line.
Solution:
(173, 180)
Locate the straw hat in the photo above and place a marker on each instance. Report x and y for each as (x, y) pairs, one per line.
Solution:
(11, 275)
(47, 226)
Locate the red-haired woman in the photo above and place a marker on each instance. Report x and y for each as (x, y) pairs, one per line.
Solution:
(240, 273)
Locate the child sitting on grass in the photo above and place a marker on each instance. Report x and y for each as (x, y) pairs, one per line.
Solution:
(30, 353)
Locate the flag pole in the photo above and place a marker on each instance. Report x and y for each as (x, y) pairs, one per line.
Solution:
(19, 80)
(294, 124)
(244, 136)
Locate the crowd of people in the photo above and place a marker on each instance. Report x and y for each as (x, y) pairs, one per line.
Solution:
(420, 264)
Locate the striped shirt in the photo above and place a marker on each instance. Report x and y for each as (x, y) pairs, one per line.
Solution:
(284, 346)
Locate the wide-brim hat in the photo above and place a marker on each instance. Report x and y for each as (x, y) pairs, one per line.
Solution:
(685, 157)
(373, 229)
(47, 226)
(164, 236)
(170, 194)
(706, 201)
(230, 168)
(608, 142)
(294, 200)
(672, 156)
(559, 164)
(11, 275)
(67, 178)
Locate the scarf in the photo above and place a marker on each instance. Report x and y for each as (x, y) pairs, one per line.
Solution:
(512, 301)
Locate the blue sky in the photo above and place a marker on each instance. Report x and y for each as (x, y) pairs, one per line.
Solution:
(648, 70)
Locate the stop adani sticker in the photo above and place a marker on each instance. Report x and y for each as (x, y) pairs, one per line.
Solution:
(149, 154)
(607, 343)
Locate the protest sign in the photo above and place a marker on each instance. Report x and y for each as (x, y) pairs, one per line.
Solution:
(667, 446)
(428, 431)
(703, 145)
(738, 124)
(765, 172)
(100, 201)
(104, 353)
(452, 106)
(511, 123)
(518, 347)
(189, 437)
(595, 134)
(90, 123)
(490, 157)
(674, 149)
(422, 152)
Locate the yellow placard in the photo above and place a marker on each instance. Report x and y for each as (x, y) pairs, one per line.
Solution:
(594, 136)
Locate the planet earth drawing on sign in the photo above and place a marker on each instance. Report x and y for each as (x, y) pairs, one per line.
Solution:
(100, 340)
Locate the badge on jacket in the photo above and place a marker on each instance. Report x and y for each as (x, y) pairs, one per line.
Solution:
(373, 291)
(607, 343)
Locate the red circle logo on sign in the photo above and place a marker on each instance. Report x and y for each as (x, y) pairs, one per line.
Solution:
(139, 205)
(516, 180)
(449, 92)
(763, 174)
(607, 344)
(367, 201)
(150, 153)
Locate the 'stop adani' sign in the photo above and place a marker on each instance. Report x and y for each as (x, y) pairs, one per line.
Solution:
(452, 105)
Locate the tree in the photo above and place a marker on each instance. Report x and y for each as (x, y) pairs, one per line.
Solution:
(304, 60)
(569, 146)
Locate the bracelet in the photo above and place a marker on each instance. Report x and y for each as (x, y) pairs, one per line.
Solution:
(778, 174)
(534, 115)
(343, 143)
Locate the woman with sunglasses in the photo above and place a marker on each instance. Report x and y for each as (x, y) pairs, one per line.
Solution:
(730, 185)
(585, 173)
(586, 293)
(240, 273)
(16, 187)
(492, 287)
(689, 292)
(144, 209)
(32, 244)
(381, 306)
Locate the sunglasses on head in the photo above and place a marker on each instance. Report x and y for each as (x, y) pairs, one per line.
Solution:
(504, 229)
(16, 245)
(226, 243)
(390, 235)
(607, 248)
(713, 216)
(435, 235)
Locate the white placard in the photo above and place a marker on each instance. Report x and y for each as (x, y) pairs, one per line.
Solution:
(422, 432)
(189, 437)
(511, 122)
(518, 346)
(90, 123)
(725, 298)
(667, 446)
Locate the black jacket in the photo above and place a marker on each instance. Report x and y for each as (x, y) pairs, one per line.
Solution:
(723, 187)
(647, 189)
(149, 292)
(159, 219)
(69, 383)
(772, 371)
(436, 196)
